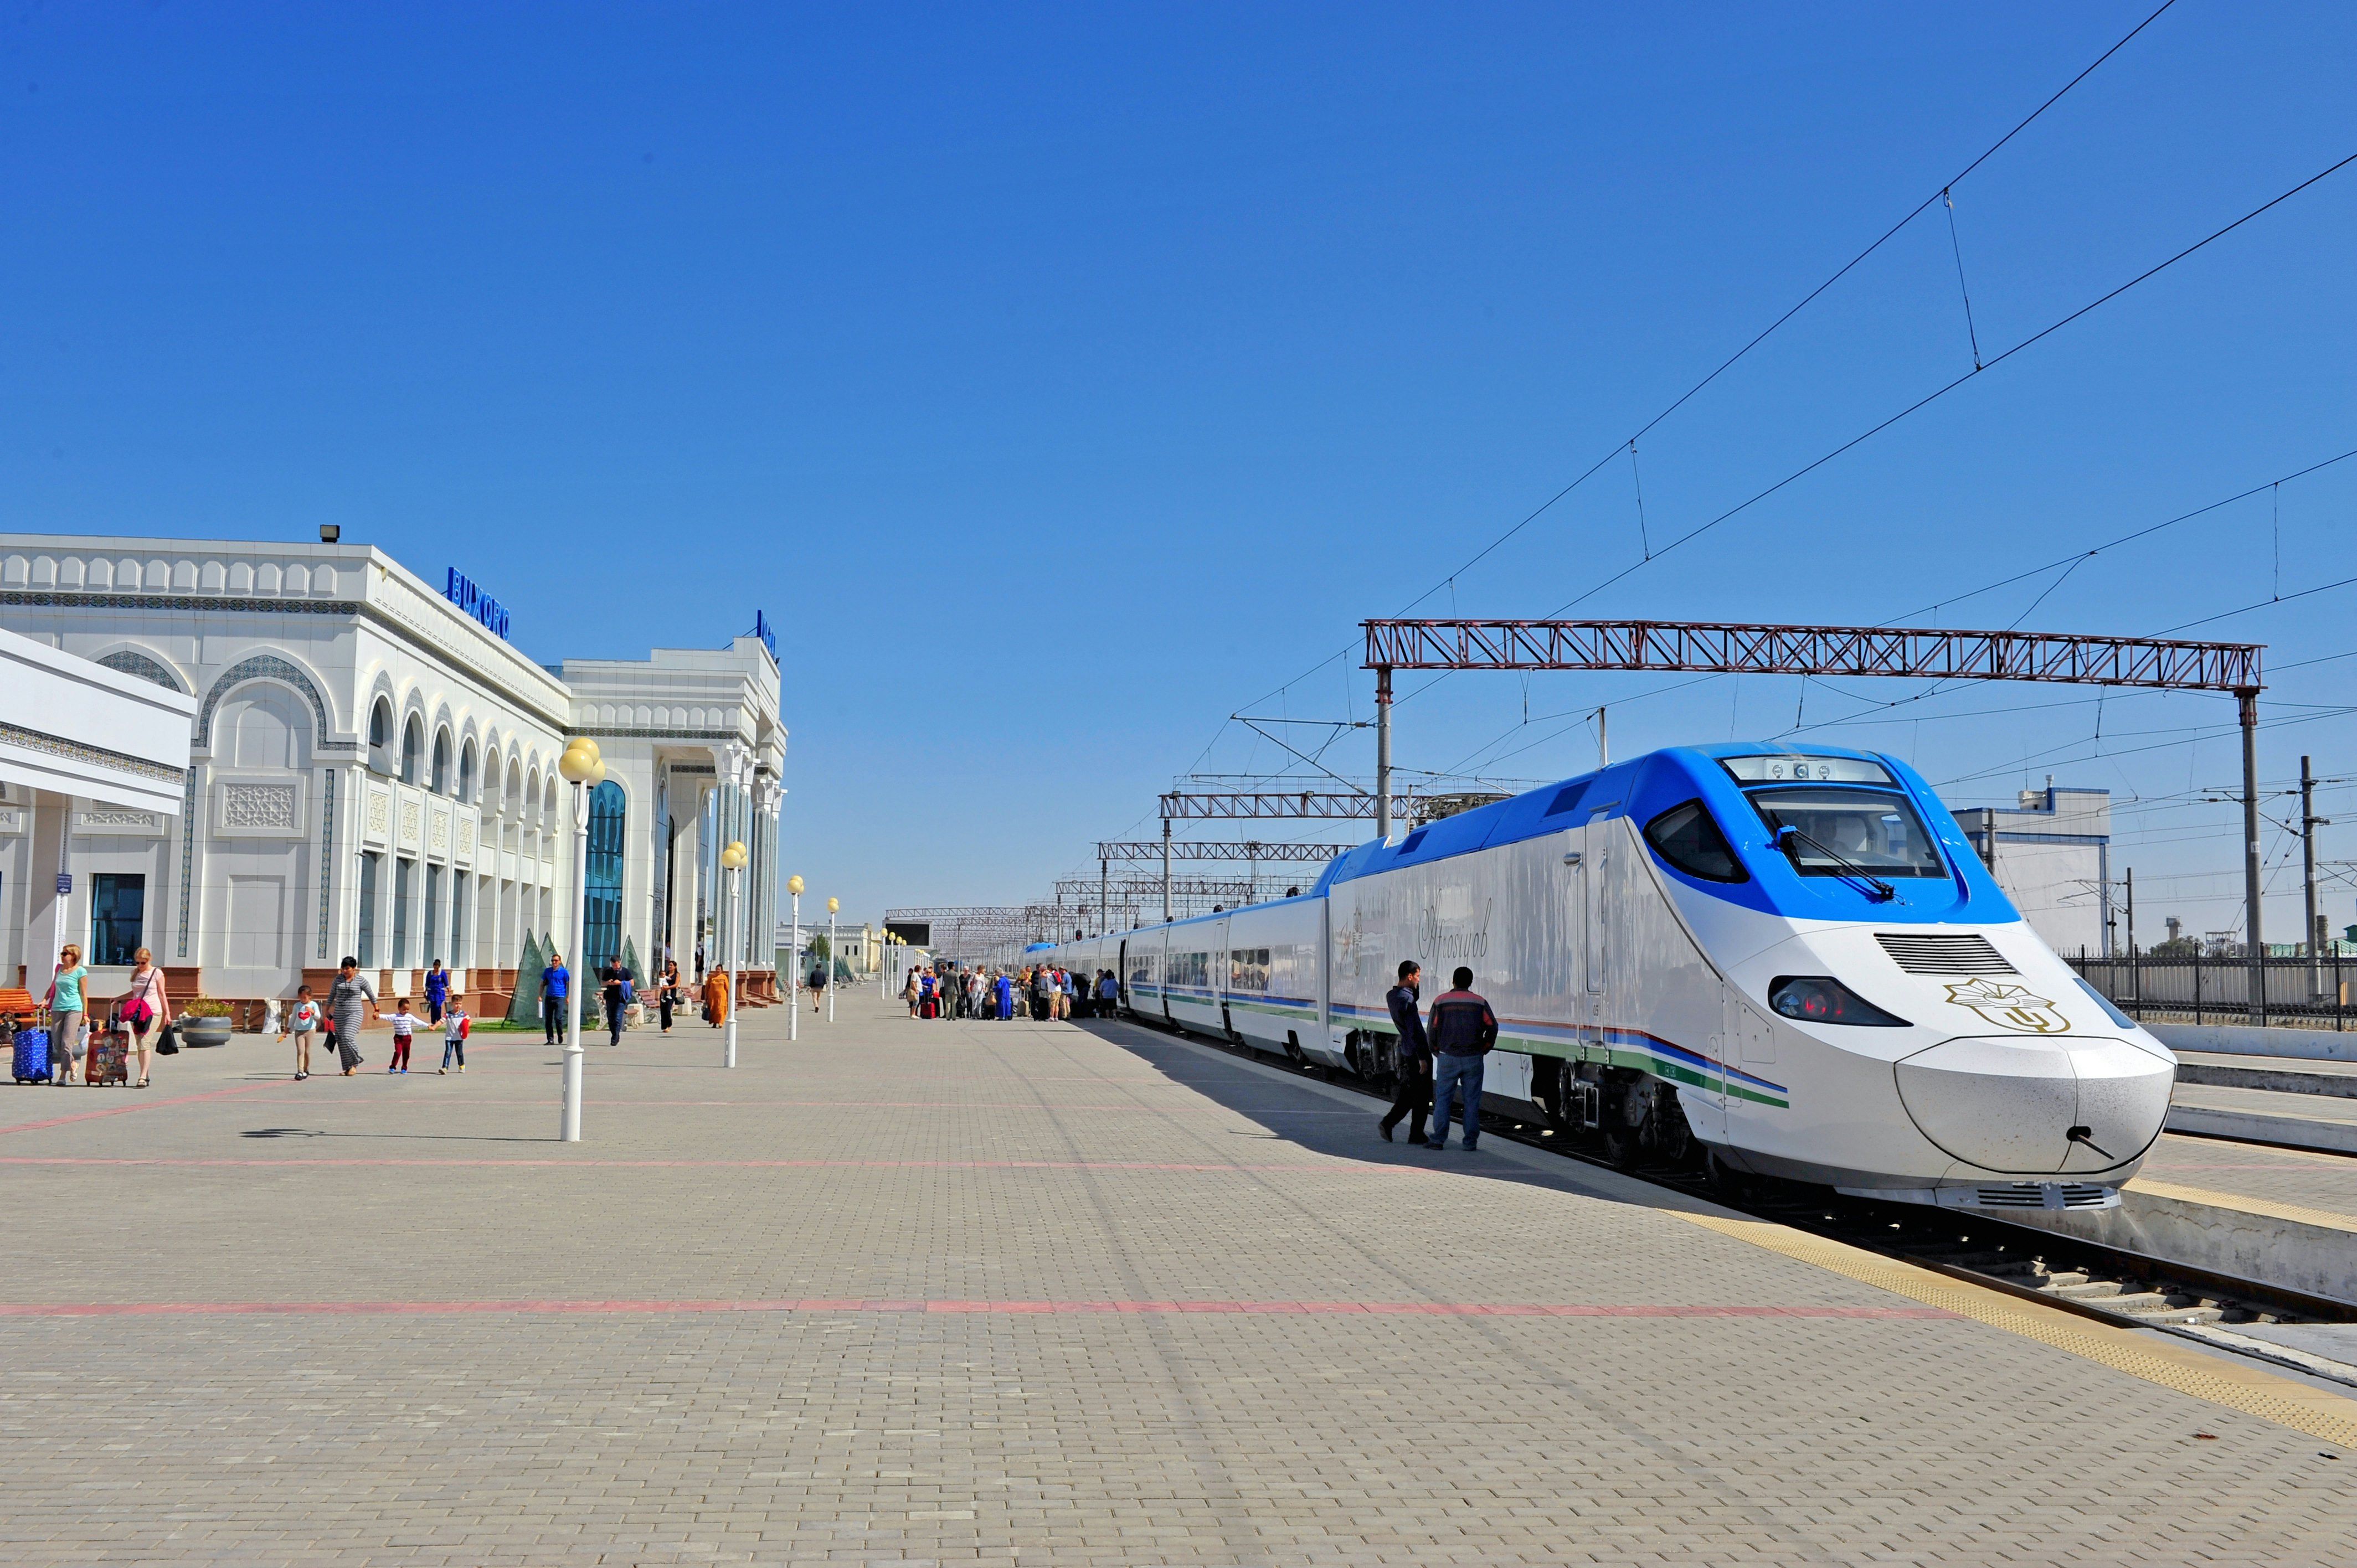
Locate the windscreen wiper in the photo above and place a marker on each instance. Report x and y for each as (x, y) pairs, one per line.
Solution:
(1786, 837)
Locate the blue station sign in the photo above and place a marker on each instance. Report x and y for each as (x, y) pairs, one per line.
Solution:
(477, 602)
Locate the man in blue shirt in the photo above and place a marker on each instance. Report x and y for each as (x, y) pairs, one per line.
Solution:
(553, 981)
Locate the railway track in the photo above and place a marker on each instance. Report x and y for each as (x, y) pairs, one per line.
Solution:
(2093, 1281)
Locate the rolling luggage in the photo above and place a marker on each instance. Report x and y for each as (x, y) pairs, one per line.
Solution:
(32, 1057)
(107, 1061)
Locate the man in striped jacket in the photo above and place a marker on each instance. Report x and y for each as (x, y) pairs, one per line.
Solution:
(1463, 1031)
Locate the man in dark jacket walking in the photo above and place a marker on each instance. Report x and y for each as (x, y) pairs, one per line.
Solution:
(1463, 1031)
(1414, 1097)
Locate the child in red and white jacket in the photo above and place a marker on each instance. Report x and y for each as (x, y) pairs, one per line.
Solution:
(453, 1035)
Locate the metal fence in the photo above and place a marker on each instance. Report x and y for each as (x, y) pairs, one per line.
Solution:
(2217, 990)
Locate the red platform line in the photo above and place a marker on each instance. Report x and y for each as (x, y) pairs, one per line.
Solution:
(1338, 1167)
(987, 1308)
(136, 1101)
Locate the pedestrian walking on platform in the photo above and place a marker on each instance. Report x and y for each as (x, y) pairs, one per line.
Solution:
(67, 1012)
(716, 997)
(437, 992)
(1464, 1031)
(1003, 989)
(1413, 1100)
(346, 998)
(615, 988)
(302, 1023)
(1108, 994)
(454, 1035)
(404, 1026)
(667, 997)
(555, 984)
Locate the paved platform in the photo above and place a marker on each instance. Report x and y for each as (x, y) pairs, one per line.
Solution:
(1026, 1293)
(2295, 1118)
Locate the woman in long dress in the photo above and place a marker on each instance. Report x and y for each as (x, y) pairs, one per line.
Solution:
(716, 997)
(346, 998)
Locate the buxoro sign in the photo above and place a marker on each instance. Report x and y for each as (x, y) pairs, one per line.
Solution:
(463, 592)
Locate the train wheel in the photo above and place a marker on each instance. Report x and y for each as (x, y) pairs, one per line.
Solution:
(1622, 1146)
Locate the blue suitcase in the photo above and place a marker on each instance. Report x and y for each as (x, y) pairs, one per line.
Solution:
(32, 1056)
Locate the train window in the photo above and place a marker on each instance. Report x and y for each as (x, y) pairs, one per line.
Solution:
(1248, 969)
(1839, 831)
(1566, 798)
(1687, 838)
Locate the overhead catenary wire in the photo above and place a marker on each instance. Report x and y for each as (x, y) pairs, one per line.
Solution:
(1761, 337)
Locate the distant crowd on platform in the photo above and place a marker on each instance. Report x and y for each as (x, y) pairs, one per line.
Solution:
(1042, 992)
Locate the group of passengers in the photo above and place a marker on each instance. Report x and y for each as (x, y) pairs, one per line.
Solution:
(1044, 992)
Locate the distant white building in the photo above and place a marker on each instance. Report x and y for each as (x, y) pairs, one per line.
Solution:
(372, 771)
(2052, 855)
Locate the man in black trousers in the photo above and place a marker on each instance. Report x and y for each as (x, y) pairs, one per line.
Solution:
(1414, 1097)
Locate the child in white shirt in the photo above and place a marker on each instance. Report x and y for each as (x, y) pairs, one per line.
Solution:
(405, 1025)
(453, 1035)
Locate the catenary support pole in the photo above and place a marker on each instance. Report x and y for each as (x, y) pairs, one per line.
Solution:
(1384, 751)
(2311, 938)
(2246, 701)
(1104, 920)
(1166, 871)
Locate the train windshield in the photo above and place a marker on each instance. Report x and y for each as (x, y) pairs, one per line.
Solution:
(1841, 831)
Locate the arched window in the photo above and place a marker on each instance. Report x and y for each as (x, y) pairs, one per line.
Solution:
(467, 773)
(601, 925)
(413, 744)
(441, 762)
(381, 736)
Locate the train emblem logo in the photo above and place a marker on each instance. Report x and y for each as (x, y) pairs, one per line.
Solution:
(2010, 1007)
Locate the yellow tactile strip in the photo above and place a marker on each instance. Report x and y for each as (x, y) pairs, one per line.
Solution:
(2324, 1219)
(2139, 1354)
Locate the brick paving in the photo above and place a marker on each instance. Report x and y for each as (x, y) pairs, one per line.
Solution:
(916, 1292)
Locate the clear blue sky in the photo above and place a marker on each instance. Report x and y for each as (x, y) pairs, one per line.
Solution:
(1063, 381)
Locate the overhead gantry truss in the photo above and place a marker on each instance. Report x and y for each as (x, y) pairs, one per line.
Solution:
(1727, 648)
(1736, 649)
(1203, 849)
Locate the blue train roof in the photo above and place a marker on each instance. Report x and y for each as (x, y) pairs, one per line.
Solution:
(1645, 786)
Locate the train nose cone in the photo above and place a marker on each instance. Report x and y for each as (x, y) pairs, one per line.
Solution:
(2009, 1104)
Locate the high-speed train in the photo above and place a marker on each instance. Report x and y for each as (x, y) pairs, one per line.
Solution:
(1782, 964)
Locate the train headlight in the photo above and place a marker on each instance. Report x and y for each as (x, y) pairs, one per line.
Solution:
(1820, 999)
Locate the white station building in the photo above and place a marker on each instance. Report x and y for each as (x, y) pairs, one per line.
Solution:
(372, 771)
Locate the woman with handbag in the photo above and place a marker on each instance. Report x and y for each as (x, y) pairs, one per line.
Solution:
(145, 1010)
(345, 997)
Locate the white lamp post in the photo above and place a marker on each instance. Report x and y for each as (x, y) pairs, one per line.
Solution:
(794, 957)
(732, 860)
(585, 771)
(832, 906)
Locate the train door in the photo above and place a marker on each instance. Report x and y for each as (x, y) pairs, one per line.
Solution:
(1121, 979)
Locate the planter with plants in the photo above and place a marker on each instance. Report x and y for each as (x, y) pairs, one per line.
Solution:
(205, 1022)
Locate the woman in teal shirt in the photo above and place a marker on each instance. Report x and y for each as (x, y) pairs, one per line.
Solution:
(65, 1013)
